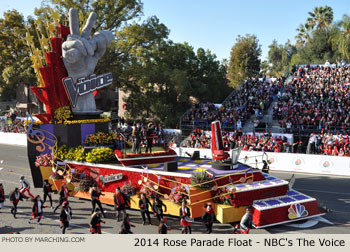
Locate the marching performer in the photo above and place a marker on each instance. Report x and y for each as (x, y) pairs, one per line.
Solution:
(95, 223)
(120, 203)
(185, 218)
(63, 196)
(25, 186)
(95, 199)
(15, 197)
(47, 191)
(65, 216)
(208, 217)
(143, 205)
(163, 227)
(126, 226)
(2, 196)
(158, 208)
(37, 211)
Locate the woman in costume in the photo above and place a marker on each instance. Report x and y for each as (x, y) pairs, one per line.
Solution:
(158, 209)
(47, 191)
(143, 205)
(126, 226)
(185, 215)
(95, 223)
(15, 197)
(65, 216)
(37, 211)
(208, 217)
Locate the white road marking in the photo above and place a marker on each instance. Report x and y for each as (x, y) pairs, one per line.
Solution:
(9, 182)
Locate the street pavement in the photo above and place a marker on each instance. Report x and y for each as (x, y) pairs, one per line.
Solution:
(331, 192)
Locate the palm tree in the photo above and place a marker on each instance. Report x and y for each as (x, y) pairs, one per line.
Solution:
(342, 38)
(321, 17)
(303, 35)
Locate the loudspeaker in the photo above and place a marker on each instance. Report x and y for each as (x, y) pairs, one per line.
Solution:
(195, 155)
(170, 166)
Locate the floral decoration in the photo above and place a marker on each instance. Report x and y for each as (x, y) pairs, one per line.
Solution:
(100, 139)
(178, 194)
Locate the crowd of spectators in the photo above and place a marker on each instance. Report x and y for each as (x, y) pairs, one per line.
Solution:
(252, 98)
(316, 99)
(265, 142)
(10, 122)
(326, 143)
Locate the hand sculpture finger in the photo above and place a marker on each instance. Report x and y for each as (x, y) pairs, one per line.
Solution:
(88, 46)
(74, 44)
(89, 25)
(102, 40)
(108, 35)
(71, 56)
(74, 22)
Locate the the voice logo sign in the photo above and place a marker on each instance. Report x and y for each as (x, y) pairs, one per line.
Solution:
(84, 86)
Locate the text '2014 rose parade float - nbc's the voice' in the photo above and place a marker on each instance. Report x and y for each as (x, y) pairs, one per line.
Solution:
(72, 144)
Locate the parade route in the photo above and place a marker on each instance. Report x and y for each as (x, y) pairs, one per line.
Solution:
(331, 192)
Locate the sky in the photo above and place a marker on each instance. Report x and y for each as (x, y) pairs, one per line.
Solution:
(215, 24)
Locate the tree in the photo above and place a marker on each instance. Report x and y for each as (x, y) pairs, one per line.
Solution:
(341, 37)
(244, 60)
(160, 76)
(279, 57)
(318, 50)
(15, 64)
(321, 17)
(265, 67)
(111, 14)
(303, 35)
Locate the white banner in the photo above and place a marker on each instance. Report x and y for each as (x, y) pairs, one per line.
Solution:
(13, 138)
(290, 162)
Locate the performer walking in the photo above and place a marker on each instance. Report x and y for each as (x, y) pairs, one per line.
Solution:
(246, 222)
(37, 211)
(149, 137)
(208, 217)
(2, 196)
(15, 197)
(143, 205)
(126, 226)
(185, 218)
(158, 209)
(47, 192)
(95, 199)
(163, 227)
(63, 196)
(266, 167)
(136, 135)
(120, 203)
(25, 186)
(65, 216)
(95, 223)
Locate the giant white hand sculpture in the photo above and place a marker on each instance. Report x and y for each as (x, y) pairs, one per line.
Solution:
(81, 54)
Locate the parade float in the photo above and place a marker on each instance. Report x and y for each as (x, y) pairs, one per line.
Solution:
(71, 144)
